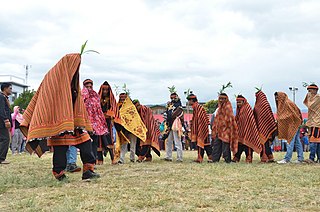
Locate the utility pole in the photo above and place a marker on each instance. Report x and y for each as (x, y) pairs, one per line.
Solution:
(293, 90)
(27, 67)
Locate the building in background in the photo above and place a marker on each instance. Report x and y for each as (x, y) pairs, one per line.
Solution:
(18, 85)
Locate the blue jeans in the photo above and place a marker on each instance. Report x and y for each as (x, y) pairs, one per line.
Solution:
(295, 142)
(72, 155)
(314, 149)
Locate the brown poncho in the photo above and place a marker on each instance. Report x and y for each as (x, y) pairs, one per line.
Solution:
(247, 127)
(153, 132)
(199, 127)
(225, 126)
(264, 117)
(288, 116)
(53, 110)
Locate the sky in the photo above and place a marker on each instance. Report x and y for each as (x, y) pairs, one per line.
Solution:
(153, 44)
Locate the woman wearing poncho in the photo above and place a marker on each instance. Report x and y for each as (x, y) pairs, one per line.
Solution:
(289, 119)
(224, 131)
(57, 115)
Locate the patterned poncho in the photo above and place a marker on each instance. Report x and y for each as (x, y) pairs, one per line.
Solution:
(92, 102)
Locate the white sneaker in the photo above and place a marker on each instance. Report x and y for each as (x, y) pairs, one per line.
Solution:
(283, 161)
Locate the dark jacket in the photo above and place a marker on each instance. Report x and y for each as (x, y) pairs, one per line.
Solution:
(5, 112)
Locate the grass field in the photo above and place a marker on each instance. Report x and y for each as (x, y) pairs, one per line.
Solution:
(28, 185)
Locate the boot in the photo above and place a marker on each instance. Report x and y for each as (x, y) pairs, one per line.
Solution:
(73, 168)
(88, 172)
(59, 176)
(235, 160)
(148, 159)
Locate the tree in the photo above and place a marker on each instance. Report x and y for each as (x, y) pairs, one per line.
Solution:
(24, 98)
(211, 106)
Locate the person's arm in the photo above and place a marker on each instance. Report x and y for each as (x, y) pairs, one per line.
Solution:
(3, 113)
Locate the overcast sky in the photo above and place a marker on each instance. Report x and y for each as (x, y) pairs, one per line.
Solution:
(153, 44)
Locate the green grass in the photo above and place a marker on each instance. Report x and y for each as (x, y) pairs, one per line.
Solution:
(28, 185)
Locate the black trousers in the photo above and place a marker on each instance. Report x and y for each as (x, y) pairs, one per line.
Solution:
(60, 156)
(243, 148)
(4, 143)
(95, 144)
(220, 147)
(208, 150)
(145, 151)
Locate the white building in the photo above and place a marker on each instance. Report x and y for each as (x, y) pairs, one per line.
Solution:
(18, 85)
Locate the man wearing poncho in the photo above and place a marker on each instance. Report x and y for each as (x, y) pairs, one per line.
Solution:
(57, 115)
(174, 123)
(289, 119)
(249, 139)
(312, 101)
(267, 125)
(152, 133)
(224, 131)
(200, 129)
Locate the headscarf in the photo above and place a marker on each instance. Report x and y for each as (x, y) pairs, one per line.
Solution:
(16, 115)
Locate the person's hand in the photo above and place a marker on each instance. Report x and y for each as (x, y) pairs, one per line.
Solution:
(7, 124)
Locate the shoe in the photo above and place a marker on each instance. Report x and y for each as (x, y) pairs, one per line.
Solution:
(309, 161)
(63, 178)
(73, 168)
(4, 162)
(271, 161)
(88, 175)
(139, 161)
(120, 162)
(210, 161)
(197, 161)
(297, 161)
(283, 161)
(179, 161)
(168, 159)
(132, 161)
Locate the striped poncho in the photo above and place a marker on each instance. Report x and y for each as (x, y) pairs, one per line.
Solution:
(54, 109)
(264, 117)
(153, 132)
(200, 126)
(289, 117)
(247, 127)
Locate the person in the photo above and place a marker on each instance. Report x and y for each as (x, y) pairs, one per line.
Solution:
(174, 121)
(200, 129)
(267, 126)
(312, 101)
(72, 156)
(96, 117)
(289, 120)
(125, 136)
(224, 131)
(111, 113)
(152, 134)
(249, 139)
(305, 140)
(5, 121)
(56, 115)
(17, 136)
